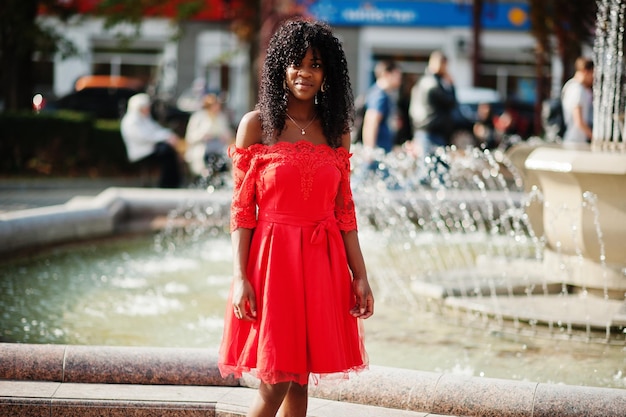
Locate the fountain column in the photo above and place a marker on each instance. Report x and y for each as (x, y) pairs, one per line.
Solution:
(584, 187)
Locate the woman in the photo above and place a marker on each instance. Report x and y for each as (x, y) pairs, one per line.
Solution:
(300, 284)
(208, 134)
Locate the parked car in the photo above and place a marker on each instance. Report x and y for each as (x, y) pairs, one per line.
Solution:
(100, 102)
(106, 97)
(103, 97)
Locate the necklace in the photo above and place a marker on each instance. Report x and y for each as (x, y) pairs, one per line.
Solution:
(302, 129)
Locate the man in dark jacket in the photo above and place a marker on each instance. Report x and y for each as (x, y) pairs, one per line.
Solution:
(433, 102)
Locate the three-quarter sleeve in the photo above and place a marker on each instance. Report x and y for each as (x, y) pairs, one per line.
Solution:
(243, 205)
(344, 204)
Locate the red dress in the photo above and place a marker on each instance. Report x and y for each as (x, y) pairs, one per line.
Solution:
(297, 264)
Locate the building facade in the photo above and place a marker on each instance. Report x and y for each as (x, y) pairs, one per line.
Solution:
(407, 31)
(171, 61)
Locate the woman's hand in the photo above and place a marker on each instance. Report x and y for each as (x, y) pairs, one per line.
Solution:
(364, 306)
(244, 300)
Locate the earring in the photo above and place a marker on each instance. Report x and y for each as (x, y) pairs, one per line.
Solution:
(316, 100)
(323, 88)
(284, 85)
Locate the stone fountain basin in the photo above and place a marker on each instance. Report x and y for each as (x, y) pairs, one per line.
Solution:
(584, 213)
(140, 210)
(114, 211)
(137, 210)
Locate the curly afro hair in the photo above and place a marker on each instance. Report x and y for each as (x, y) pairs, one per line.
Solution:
(289, 45)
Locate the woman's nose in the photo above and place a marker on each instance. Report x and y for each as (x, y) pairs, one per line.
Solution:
(303, 72)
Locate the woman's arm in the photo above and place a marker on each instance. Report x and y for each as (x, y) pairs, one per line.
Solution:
(243, 298)
(364, 306)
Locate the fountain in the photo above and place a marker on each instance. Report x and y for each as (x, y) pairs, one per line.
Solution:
(523, 246)
(461, 240)
(584, 212)
(463, 249)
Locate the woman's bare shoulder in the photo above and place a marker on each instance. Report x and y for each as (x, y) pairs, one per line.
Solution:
(250, 130)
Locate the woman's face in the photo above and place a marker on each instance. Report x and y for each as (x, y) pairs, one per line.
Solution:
(304, 79)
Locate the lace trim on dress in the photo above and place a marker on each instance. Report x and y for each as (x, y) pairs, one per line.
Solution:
(275, 377)
(309, 156)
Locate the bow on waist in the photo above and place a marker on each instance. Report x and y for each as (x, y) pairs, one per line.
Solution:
(321, 225)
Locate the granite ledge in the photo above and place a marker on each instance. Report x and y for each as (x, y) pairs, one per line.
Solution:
(390, 388)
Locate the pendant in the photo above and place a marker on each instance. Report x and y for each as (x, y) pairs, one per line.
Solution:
(303, 132)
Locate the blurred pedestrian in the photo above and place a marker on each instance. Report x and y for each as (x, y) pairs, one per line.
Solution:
(484, 129)
(380, 122)
(207, 137)
(146, 140)
(405, 128)
(433, 103)
(577, 99)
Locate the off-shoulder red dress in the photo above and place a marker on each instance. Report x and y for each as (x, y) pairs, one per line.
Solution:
(297, 198)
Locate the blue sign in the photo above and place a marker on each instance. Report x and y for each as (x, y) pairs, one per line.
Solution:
(504, 16)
